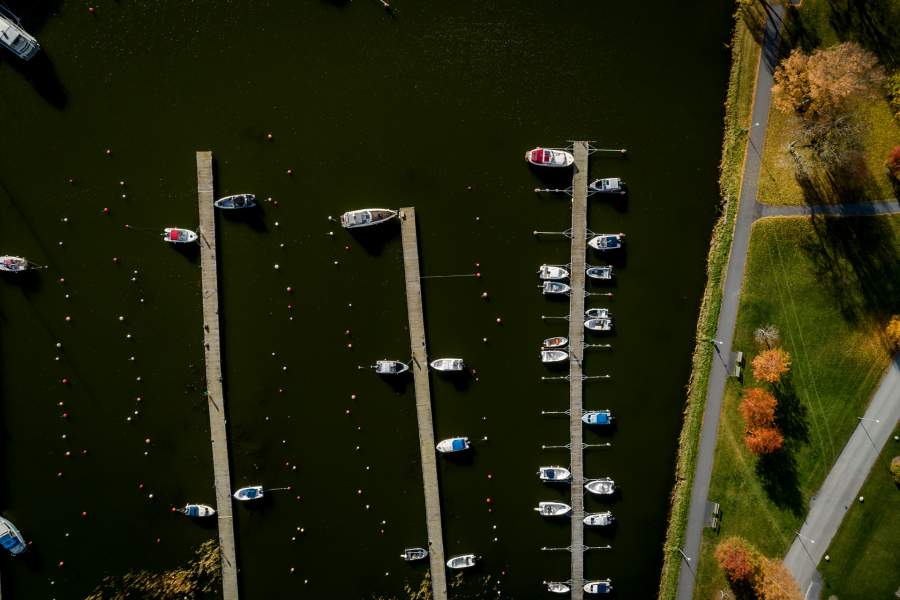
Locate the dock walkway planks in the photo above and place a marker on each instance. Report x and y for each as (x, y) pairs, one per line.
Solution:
(423, 402)
(214, 394)
(576, 349)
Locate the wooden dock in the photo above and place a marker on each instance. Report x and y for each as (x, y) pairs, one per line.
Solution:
(218, 433)
(423, 402)
(576, 354)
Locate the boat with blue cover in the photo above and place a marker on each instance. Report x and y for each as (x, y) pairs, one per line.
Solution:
(597, 417)
(198, 510)
(251, 492)
(454, 444)
(607, 241)
(604, 586)
(10, 538)
(553, 474)
(236, 201)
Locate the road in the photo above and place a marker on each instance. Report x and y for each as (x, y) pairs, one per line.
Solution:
(839, 492)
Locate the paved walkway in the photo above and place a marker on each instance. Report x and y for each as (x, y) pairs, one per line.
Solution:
(837, 494)
(851, 209)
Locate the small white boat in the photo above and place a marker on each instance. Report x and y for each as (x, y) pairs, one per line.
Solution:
(558, 587)
(554, 474)
(597, 313)
(447, 364)
(461, 561)
(598, 324)
(454, 444)
(555, 342)
(551, 272)
(604, 586)
(553, 356)
(553, 509)
(251, 492)
(17, 40)
(236, 201)
(390, 367)
(597, 417)
(601, 487)
(177, 235)
(607, 241)
(366, 217)
(549, 157)
(608, 185)
(603, 273)
(600, 519)
(14, 264)
(198, 510)
(10, 538)
(411, 554)
(555, 287)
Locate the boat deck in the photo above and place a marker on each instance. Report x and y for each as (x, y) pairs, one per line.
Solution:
(214, 393)
(423, 402)
(576, 347)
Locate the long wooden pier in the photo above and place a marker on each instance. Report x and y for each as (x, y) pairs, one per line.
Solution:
(576, 354)
(219, 436)
(423, 402)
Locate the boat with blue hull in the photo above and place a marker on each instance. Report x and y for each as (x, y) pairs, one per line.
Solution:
(10, 538)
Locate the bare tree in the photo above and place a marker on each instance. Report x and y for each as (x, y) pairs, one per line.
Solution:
(767, 336)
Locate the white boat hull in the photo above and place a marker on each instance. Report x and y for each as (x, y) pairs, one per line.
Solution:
(553, 509)
(553, 356)
(462, 561)
(607, 241)
(603, 519)
(601, 487)
(14, 264)
(366, 217)
(554, 474)
(448, 364)
(177, 235)
(252, 492)
(552, 273)
(549, 157)
(555, 287)
(390, 367)
(451, 445)
(558, 587)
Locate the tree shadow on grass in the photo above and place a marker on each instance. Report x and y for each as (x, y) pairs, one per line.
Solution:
(791, 414)
(778, 474)
(870, 23)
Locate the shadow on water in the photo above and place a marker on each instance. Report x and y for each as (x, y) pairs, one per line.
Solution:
(253, 217)
(374, 239)
(41, 74)
(30, 282)
(190, 251)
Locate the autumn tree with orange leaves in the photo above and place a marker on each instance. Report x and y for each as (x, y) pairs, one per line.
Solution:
(774, 582)
(738, 559)
(758, 409)
(769, 366)
(753, 574)
(764, 440)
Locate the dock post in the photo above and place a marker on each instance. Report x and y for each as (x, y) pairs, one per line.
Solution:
(576, 346)
(214, 394)
(423, 402)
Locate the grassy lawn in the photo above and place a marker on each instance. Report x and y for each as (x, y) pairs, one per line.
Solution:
(822, 23)
(865, 553)
(826, 284)
(745, 57)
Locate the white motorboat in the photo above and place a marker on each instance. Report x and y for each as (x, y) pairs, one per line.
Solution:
(177, 235)
(366, 217)
(251, 492)
(558, 587)
(600, 519)
(604, 586)
(597, 313)
(601, 487)
(17, 40)
(461, 561)
(236, 201)
(10, 538)
(553, 356)
(604, 273)
(555, 287)
(553, 509)
(555, 342)
(454, 444)
(607, 241)
(447, 364)
(597, 417)
(390, 367)
(608, 185)
(198, 510)
(551, 272)
(14, 264)
(598, 324)
(549, 157)
(553, 474)
(411, 554)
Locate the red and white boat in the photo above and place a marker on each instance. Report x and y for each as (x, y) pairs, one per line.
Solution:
(176, 235)
(549, 157)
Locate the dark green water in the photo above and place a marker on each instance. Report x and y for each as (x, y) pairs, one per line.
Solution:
(367, 110)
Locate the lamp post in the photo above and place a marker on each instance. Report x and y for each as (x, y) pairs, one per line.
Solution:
(871, 441)
(687, 559)
(802, 537)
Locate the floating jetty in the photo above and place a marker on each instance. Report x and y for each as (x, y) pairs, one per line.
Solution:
(576, 346)
(423, 401)
(210, 287)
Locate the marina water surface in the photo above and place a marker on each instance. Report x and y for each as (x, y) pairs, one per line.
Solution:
(104, 421)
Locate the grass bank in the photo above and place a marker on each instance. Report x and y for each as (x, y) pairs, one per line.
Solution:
(823, 23)
(827, 284)
(738, 105)
(864, 561)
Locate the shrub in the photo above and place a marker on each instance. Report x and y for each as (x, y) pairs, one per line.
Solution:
(770, 365)
(892, 331)
(895, 469)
